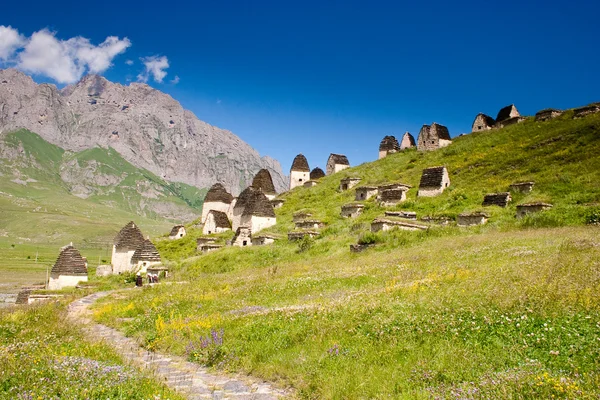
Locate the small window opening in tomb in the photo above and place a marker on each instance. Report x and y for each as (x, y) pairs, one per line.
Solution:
(245, 242)
(181, 235)
(16, 112)
(300, 180)
(209, 232)
(433, 142)
(446, 184)
(344, 187)
(480, 127)
(362, 196)
(171, 122)
(145, 264)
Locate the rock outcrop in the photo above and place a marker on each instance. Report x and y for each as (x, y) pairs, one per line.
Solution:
(148, 128)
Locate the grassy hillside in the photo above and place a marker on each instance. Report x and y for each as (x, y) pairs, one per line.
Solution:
(49, 197)
(506, 310)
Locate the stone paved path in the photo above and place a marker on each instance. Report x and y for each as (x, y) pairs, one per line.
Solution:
(191, 380)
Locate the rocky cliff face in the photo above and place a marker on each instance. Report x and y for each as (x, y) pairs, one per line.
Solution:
(148, 128)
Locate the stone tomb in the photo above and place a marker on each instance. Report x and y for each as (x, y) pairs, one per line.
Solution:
(407, 141)
(349, 183)
(216, 222)
(298, 235)
(402, 214)
(263, 240)
(217, 198)
(433, 182)
(336, 163)
(309, 224)
(391, 197)
(530, 208)
(208, 247)
(587, 110)
(510, 121)
(471, 219)
(145, 256)
(388, 145)
(547, 114)
(310, 183)
(68, 270)
(365, 192)
(242, 237)
(483, 123)
(382, 224)
(299, 172)
(352, 210)
(522, 187)
(433, 137)
(177, 232)
(301, 216)
(124, 245)
(507, 113)
(496, 199)
(201, 241)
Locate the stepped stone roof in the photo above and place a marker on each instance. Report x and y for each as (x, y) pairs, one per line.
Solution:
(339, 159)
(389, 143)
(507, 113)
(263, 181)
(175, 230)
(69, 262)
(146, 251)
(244, 197)
(300, 163)
(410, 138)
(316, 173)
(432, 177)
(496, 199)
(128, 238)
(217, 192)
(258, 205)
(397, 185)
(221, 219)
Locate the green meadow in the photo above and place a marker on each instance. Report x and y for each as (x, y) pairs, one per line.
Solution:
(505, 310)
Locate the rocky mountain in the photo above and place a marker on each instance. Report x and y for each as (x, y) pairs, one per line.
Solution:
(146, 127)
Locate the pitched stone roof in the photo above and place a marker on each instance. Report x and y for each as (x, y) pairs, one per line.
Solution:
(300, 163)
(339, 159)
(389, 143)
(217, 193)
(175, 230)
(410, 138)
(505, 113)
(496, 199)
(316, 173)
(69, 262)
(489, 121)
(129, 237)
(221, 219)
(258, 205)
(440, 131)
(432, 177)
(146, 251)
(263, 181)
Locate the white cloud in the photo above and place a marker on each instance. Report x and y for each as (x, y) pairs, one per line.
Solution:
(129, 62)
(154, 66)
(65, 61)
(10, 41)
(175, 80)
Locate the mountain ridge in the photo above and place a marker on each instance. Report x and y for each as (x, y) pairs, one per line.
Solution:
(147, 127)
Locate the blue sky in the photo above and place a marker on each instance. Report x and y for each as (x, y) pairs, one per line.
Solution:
(314, 78)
